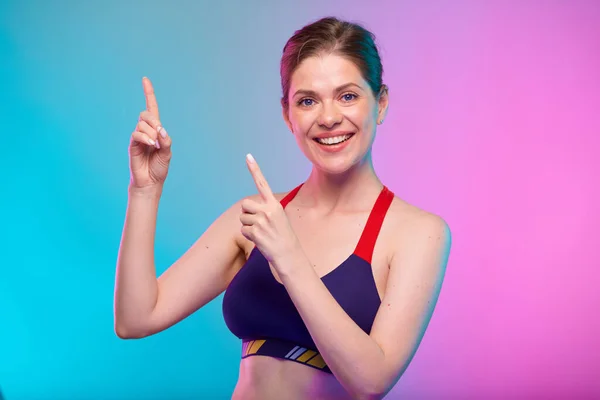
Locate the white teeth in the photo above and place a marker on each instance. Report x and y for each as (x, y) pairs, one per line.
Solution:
(334, 140)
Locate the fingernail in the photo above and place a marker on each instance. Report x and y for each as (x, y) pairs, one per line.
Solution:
(157, 145)
(249, 157)
(151, 142)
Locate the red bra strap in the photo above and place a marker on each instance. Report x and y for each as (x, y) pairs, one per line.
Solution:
(366, 244)
(288, 197)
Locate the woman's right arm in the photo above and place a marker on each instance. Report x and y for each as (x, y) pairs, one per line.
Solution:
(145, 305)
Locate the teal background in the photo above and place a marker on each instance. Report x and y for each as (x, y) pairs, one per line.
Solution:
(493, 125)
(71, 88)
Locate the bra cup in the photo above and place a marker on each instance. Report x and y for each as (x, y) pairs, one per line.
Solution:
(256, 307)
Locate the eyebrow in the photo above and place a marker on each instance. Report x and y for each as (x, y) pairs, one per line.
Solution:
(337, 90)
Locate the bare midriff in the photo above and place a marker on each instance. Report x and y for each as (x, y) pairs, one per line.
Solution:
(266, 378)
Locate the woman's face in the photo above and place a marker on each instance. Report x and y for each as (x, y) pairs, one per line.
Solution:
(333, 113)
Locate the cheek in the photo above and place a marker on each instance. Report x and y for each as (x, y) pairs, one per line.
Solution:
(301, 122)
(362, 117)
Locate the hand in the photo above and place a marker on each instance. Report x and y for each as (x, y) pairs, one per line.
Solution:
(150, 146)
(265, 223)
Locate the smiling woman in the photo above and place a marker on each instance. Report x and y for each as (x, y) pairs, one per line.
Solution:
(329, 286)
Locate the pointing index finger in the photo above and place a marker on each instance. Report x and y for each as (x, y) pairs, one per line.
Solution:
(259, 179)
(151, 104)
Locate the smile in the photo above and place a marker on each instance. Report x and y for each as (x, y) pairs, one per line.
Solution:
(331, 141)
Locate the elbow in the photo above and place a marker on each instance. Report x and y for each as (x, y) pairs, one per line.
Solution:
(127, 332)
(371, 395)
(123, 333)
(375, 390)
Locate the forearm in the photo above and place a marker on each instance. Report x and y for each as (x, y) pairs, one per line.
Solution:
(136, 289)
(353, 356)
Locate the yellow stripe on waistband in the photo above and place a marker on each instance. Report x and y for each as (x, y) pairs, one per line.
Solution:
(254, 346)
(247, 347)
(306, 356)
(317, 361)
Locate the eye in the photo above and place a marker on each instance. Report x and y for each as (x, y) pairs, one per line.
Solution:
(349, 96)
(307, 102)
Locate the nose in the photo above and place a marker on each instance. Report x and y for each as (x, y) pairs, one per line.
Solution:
(329, 115)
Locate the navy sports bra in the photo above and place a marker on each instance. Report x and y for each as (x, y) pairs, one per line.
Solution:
(258, 309)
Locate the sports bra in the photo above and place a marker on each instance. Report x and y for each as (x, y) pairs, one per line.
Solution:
(259, 311)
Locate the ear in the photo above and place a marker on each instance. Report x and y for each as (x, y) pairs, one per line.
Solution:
(382, 102)
(286, 117)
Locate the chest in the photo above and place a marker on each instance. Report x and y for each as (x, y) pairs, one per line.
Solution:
(328, 243)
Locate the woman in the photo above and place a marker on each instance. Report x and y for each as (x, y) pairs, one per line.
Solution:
(331, 285)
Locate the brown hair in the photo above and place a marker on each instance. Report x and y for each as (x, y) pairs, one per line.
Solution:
(331, 35)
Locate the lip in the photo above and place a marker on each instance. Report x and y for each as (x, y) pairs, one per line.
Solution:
(325, 135)
(335, 148)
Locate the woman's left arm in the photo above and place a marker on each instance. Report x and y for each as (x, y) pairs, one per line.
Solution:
(368, 366)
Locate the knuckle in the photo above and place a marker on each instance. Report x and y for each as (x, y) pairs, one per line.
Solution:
(149, 118)
(246, 231)
(264, 218)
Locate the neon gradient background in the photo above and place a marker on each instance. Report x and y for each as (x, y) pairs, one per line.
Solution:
(494, 125)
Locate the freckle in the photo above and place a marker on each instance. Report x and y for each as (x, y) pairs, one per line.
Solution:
(206, 247)
(388, 304)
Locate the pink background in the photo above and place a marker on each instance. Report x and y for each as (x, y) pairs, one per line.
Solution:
(498, 130)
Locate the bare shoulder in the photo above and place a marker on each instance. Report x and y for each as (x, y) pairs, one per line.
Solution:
(414, 231)
(409, 218)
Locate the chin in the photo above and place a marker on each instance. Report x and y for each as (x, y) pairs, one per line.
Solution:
(335, 165)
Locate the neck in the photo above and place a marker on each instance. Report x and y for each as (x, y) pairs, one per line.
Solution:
(353, 189)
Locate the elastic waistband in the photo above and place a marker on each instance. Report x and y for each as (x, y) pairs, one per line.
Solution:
(284, 350)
